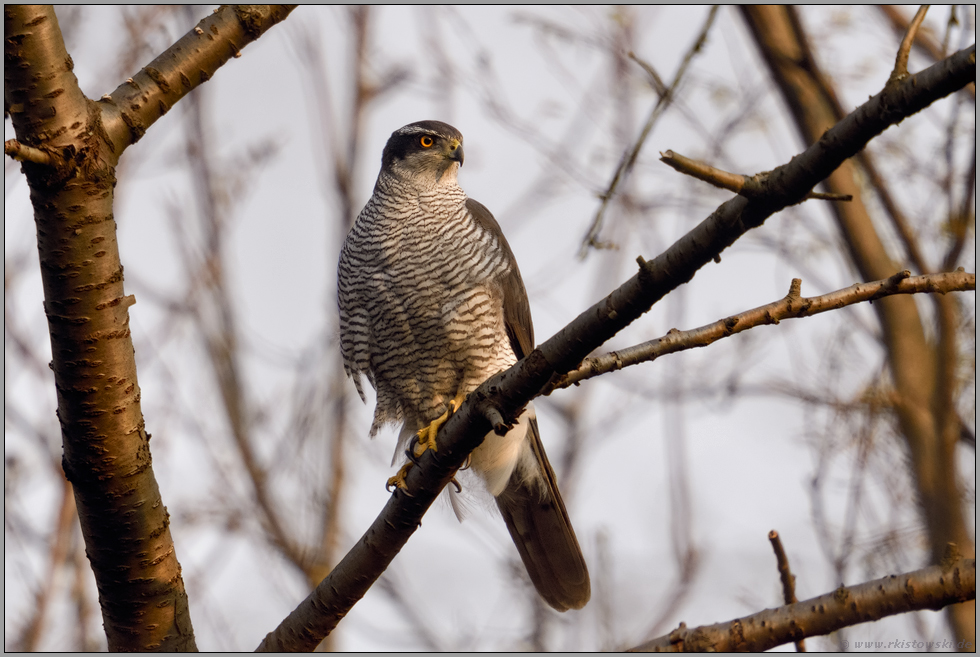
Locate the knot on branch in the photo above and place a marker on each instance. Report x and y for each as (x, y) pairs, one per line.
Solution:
(895, 279)
(646, 272)
(950, 556)
(794, 289)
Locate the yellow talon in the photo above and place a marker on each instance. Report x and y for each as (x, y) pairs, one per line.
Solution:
(398, 481)
(426, 440)
(427, 435)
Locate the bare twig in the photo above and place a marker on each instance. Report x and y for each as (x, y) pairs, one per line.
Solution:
(703, 171)
(929, 588)
(789, 307)
(901, 69)
(923, 39)
(25, 153)
(629, 158)
(735, 182)
(655, 80)
(782, 563)
(785, 576)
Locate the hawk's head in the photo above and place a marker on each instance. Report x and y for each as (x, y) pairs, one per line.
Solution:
(428, 151)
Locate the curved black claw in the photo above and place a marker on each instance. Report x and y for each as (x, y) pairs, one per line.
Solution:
(398, 481)
(459, 489)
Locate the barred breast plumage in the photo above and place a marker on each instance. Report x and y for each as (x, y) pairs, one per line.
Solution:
(431, 305)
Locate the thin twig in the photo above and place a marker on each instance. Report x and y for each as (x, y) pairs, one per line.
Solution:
(735, 182)
(629, 159)
(789, 307)
(702, 171)
(923, 41)
(901, 69)
(24, 153)
(786, 577)
(655, 80)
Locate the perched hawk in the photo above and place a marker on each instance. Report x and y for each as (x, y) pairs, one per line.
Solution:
(431, 305)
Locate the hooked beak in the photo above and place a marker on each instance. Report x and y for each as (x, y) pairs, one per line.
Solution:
(454, 151)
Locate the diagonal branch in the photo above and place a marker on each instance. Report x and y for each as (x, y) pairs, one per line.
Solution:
(734, 182)
(505, 394)
(135, 105)
(789, 307)
(933, 588)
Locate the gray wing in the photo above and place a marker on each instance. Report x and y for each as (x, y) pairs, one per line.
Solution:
(517, 311)
(532, 508)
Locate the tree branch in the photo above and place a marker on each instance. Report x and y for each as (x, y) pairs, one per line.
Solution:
(786, 577)
(933, 588)
(901, 69)
(507, 393)
(735, 182)
(23, 153)
(136, 104)
(789, 307)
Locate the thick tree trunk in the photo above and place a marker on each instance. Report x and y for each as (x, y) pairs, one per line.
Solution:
(106, 448)
(70, 146)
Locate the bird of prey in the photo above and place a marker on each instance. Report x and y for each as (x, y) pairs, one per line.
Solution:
(431, 305)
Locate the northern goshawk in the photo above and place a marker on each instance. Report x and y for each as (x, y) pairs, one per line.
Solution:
(431, 305)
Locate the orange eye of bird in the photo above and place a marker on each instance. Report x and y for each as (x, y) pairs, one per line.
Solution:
(426, 141)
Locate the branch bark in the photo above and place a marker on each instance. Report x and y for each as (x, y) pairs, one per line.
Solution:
(505, 394)
(136, 104)
(789, 307)
(734, 182)
(786, 576)
(933, 588)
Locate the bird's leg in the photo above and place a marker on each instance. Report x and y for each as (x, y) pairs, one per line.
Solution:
(398, 481)
(427, 435)
(426, 438)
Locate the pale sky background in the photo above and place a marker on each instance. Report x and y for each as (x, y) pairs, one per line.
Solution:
(750, 457)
